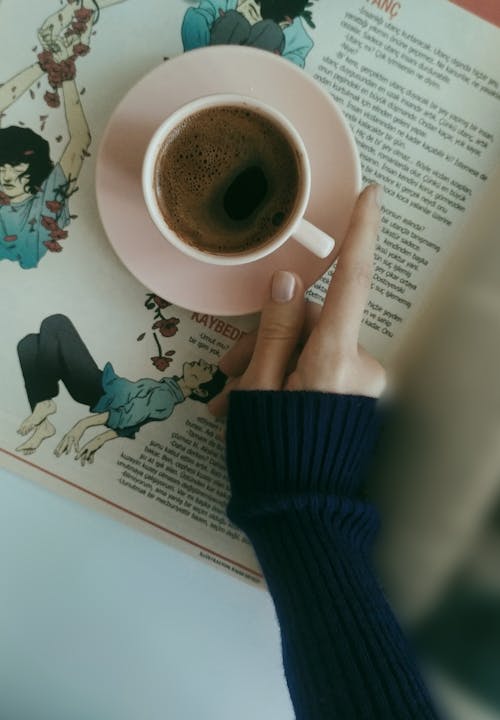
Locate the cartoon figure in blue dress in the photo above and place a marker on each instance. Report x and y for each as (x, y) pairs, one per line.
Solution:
(118, 406)
(274, 25)
(34, 190)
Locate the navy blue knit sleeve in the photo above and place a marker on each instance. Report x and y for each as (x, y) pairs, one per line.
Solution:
(295, 462)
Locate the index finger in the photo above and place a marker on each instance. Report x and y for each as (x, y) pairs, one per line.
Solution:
(348, 293)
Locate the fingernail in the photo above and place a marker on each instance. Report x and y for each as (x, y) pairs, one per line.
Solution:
(283, 286)
(379, 195)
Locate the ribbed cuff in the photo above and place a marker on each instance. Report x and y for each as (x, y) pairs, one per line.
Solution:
(299, 442)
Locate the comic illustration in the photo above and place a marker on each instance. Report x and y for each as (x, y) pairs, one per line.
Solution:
(273, 25)
(118, 407)
(35, 190)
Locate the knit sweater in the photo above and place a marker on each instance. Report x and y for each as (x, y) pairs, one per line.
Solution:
(295, 462)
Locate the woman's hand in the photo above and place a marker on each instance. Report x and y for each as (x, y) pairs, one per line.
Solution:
(300, 346)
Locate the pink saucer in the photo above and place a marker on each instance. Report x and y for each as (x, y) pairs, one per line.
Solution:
(335, 167)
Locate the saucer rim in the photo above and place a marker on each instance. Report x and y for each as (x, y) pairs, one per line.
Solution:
(218, 306)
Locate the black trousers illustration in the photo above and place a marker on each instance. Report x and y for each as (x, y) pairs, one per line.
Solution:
(58, 354)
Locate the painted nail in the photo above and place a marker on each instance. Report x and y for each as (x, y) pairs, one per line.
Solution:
(283, 286)
(379, 195)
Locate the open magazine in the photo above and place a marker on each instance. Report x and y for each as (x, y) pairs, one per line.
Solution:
(419, 83)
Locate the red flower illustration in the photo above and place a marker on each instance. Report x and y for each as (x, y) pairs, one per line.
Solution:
(52, 246)
(167, 327)
(68, 69)
(4, 199)
(52, 99)
(48, 223)
(57, 73)
(10, 238)
(54, 72)
(80, 49)
(58, 234)
(45, 60)
(53, 205)
(78, 27)
(160, 302)
(161, 363)
(83, 14)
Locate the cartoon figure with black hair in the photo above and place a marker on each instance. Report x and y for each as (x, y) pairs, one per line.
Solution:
(120, 406)
(34, 191)
(274, 25)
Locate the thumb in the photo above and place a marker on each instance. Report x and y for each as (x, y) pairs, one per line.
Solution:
(279, 332)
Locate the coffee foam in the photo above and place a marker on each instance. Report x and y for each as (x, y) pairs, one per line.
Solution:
(200, 159)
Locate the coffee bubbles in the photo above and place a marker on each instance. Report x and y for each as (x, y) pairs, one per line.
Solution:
(227, 179)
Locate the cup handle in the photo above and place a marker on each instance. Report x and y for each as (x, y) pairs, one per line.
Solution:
(314, 239)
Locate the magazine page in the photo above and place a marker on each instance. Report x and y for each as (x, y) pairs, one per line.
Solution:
(420, 85)
(105, 384)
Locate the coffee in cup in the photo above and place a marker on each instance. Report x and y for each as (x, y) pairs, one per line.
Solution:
(226, 180)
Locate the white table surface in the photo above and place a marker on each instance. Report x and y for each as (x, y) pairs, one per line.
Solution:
(101, 622)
